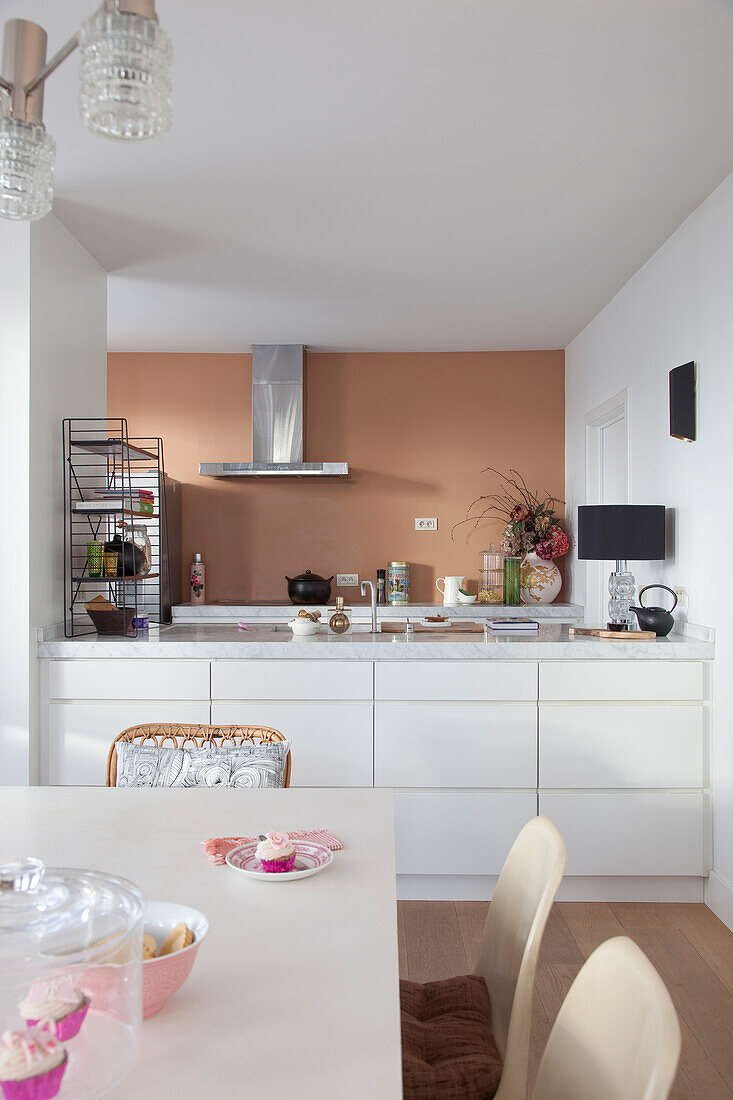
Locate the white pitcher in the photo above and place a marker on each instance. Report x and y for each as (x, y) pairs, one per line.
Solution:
(449, 591)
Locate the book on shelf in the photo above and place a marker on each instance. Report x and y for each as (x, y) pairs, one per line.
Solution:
(116, 504)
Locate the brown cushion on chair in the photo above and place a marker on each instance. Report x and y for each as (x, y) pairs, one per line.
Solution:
(448, 1050)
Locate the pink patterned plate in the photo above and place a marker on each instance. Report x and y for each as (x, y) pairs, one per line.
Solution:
(309, 860)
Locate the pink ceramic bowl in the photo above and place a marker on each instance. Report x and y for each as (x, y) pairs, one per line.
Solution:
(162, 977)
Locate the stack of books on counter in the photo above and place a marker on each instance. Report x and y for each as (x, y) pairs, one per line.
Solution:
(513, 626)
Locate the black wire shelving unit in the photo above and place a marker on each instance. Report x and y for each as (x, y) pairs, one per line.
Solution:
(104, 471)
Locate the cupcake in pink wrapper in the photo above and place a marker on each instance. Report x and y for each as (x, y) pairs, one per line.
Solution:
(276, 852)
(61, 1014)
(32, 1065)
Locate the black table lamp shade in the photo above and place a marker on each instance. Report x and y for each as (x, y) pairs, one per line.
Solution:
(621, 532)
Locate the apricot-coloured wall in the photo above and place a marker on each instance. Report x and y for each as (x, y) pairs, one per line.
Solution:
(416, 429)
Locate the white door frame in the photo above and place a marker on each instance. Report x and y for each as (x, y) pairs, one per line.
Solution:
(612, 411)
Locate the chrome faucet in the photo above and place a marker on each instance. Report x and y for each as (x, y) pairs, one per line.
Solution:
(373, 598)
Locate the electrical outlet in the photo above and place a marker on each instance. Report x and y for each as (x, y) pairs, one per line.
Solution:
(426, 524)
(682, 598)
(345, 580)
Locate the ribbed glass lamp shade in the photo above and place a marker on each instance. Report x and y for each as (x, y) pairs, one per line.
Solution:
(125, 90)
(26, 170)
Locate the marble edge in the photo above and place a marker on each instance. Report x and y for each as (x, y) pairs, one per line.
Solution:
(394, 650)
(693, 631)
(219, 613)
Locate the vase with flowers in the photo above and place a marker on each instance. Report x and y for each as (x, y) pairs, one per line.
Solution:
(532, 531)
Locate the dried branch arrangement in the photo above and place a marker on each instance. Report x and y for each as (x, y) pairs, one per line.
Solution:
(531, 524)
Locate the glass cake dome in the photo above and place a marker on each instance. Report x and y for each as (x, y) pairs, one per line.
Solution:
(71, 965)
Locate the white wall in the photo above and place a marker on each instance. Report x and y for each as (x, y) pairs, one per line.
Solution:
(14, 466)
(677, 308)
(55, 318)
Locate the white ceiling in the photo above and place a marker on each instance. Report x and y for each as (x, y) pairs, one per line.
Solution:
(396, 174)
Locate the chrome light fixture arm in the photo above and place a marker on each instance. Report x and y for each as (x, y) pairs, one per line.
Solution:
(53, 64)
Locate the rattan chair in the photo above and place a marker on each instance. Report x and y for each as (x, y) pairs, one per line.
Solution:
(179, 736)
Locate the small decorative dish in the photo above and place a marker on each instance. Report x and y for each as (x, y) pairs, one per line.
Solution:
(164, 974)
(309, 860)
(465, 597)
(303, 627)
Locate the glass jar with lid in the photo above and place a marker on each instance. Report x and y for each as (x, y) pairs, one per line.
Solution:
(71, 966)
(491, 576)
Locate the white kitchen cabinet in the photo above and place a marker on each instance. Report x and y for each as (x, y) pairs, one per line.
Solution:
(615, 680)
(78, 735)
(308, 679)
(459, 681)
(455, 745)
(458, 832)
(623, 833)
(629, 745)
(128, 679)
(331, 742)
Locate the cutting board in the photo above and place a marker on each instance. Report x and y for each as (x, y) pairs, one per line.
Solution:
(613, 635)
(450, 626)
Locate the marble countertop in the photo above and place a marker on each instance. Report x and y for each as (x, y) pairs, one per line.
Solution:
(210, 641)
(281, 612)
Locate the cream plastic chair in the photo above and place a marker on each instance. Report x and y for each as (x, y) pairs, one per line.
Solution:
(510, 943)
(616, 1036)
(508, 954)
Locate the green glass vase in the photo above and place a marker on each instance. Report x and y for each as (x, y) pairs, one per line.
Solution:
(512, 581)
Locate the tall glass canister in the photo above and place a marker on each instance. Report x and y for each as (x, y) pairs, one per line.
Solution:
(512, 581)
(491, 576)
(71, 967)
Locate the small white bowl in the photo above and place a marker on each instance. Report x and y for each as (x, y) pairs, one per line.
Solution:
(302, 627)
(163, 976)
(466, 599)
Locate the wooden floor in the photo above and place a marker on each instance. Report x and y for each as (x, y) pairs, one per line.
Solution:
(689, 946)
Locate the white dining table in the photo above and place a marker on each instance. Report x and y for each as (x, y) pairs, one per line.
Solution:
(295, 990)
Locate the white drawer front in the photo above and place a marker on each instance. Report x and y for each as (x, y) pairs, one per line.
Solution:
(465, 745)
(128, 679)
(291, 680)
(621, 746)
(80, 734)
(456, 680)
(458, 833)
(645, 833)
(662, 680)
(331, 742)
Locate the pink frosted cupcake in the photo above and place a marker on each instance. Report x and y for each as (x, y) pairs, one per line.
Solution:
(31, 1065)
(276, 852)
(63, 1014)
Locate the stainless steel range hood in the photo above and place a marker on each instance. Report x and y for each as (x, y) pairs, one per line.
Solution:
(277, 421)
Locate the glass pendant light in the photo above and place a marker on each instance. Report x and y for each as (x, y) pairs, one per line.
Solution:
(26, 170)
(125, 72)
(125, 94)
(26, 151)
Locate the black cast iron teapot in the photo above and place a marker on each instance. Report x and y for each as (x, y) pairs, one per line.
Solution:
(309, 588)
(657, 619)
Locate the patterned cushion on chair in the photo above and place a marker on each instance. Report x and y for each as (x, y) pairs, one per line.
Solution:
(448, 1050)
(206, 766)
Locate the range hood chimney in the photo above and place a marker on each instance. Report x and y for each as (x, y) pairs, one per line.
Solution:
(277, 420)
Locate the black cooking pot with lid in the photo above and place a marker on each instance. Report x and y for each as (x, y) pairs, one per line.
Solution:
(130, 558)
(309, 588)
